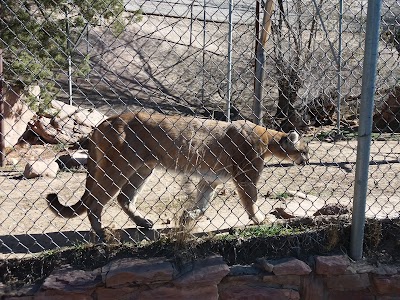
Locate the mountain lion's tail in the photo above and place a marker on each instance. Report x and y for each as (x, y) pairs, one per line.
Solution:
(66, 211)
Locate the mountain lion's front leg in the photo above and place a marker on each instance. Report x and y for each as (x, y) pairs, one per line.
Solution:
(247, 191)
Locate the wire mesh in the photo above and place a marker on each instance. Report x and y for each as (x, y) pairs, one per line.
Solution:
(69, 66)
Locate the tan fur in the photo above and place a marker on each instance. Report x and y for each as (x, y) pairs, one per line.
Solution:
(125, 149)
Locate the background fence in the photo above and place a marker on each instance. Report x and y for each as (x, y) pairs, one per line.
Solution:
(193, 58)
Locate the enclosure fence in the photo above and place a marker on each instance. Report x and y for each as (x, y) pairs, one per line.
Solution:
(185, 75)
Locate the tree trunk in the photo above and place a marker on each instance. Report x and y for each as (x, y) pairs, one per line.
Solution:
(288, 85)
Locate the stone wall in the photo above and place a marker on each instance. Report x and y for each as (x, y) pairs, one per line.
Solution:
(322, 277)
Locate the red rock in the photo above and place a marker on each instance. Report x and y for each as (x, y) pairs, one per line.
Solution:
(60, 295)
(256, 291)
(387, 284)
(291, 266)
(173, 293)
(331, 265)
(118, 293)
(242, 279)
(68, 280)
(208, 271)
(18, 298)
(347, 282)
(351, 295)
(138, 271)
(312, 288)
(284, 280)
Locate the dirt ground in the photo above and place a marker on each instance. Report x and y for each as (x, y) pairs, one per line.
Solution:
(28, 226)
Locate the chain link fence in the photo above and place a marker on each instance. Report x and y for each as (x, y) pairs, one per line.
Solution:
(68, 66)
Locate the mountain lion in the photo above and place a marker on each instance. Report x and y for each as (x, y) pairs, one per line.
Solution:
(125, 149)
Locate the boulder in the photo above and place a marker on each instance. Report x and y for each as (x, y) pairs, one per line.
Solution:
(291, 266)
(388, 118)
(41, 168)
(331, 265)
(73, 160)
(255, 290)
(203, 272)
(17, 114)
(138, 271)
(69, 125)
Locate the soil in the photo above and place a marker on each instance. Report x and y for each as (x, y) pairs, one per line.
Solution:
(28, 226)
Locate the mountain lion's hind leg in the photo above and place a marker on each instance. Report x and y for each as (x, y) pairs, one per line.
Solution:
(129, 193)
(101, 187)
(206, 191)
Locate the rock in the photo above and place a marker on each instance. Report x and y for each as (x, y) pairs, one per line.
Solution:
(346, 282)
(259, 291)
(387, 120)
(173, 293)
(351, 295)
(286, 281)
(291, 266)
(17, 114)
(312, 288)
(73, 160)
(115, 294)
(237, 270)
(387, 284)
(41, 168)
(280, 213)
(77, 284)
(331, 265)
(58, 295)
(264, 265)
(384, 270)
(360, 267)
(138, 271)
(69, 125)
(205, 272)
(88, 117)
(52, 132)
(332, 209)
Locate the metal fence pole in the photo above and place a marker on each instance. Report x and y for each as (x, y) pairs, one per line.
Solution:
(69, 50)
(339, 66)
(229, 75)
(204, 51)
(365, 128)
(2, 137)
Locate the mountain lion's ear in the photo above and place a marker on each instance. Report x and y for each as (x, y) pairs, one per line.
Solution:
(293, 136)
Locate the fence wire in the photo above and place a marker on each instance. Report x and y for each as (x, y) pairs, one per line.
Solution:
(181, 70)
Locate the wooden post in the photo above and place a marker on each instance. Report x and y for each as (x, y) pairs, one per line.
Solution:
(260, 58)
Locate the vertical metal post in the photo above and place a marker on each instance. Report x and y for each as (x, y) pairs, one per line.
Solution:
(2, 137)
(339, 66)
(365, 128)
(191, 23)
(69, 56)
(87, 46)
(229, 91)
(204, 50)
